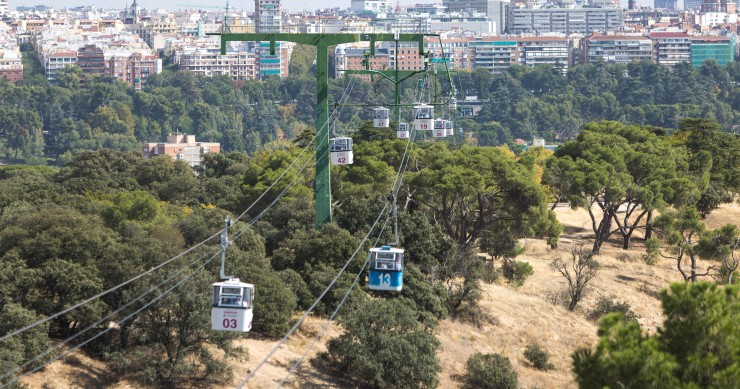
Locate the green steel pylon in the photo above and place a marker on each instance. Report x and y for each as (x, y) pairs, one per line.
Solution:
(322, 43)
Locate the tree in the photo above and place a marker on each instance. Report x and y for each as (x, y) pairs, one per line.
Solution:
(682, 230)
(722, 149)
(618, 166)
(171, 341)
(578, 272)
(722, 244)
(698, 345)
(470, 189)
(385, 346)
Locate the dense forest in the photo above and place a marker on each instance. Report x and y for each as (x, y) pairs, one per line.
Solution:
(43, 122)
(104, 215)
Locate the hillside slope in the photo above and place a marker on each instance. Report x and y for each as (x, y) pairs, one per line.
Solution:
(520, 317)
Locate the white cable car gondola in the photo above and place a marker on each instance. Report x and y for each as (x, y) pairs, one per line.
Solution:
(386, 268)
(423, 117)
(231, 309)
(381, 117)
(341, 151)
(449, 130)
(453, 103)
(402, 131)
(439, 128)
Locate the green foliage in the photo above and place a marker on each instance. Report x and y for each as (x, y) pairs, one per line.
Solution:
(696, 347)
(490, 371)
(385, 346)
(537, 357)
(169, 343)
(722, 245)
(606, 305)
(622, 167)
(516, 272)
(652, 250)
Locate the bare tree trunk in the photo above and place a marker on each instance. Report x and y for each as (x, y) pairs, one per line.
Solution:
(649, 225)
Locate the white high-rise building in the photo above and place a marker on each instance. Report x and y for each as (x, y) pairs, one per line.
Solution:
(374, 6)
(267, 18)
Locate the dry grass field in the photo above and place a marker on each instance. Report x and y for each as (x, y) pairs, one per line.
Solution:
(519, 317)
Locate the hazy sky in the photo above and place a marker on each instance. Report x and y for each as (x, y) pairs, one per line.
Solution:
(238, 4)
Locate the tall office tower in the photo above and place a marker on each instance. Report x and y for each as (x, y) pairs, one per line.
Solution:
(666, 4)
(723, 6)
(692, 4)
(3, 6)
(267, 17)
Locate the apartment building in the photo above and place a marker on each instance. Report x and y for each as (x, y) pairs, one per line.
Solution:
(544, 50)
(564, 20)
(181, 147)
(493, 53)
(616, 48)
(11, 65)
(134, 68)
(670, 48)
(720, 49)
(239, 65)
(58, 60)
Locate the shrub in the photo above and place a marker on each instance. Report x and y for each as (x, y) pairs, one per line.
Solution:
(609, 304)
(385, 346)
(490, 371)
(516, 272)
(652, 249)
(538, 358)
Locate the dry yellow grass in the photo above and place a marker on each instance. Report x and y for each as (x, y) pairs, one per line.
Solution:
(520, 317)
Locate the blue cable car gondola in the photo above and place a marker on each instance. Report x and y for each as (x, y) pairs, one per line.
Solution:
(386, 268)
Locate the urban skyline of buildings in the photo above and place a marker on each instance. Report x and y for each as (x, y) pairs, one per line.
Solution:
(132, 43)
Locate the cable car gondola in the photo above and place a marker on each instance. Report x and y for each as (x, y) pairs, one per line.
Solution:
(381, 117)
(453, 103)
(386, 268)
(439, 128)
(449, 131)
(402, 131)
(423, 117)
(341, 151)
(231, 309)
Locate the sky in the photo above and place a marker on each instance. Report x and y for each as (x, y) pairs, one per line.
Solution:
(248, 5)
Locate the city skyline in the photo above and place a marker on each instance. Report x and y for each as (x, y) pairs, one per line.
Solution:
(246, 5)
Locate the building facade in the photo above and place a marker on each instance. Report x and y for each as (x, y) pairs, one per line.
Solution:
(494, 54)
(371, 6)
(666, 4)
(717, 48)
(239, 65)
(544, 50)
(616, 49)
(11, 65)
(267, 18)
(564, 20)
(181, 147)
(670, 48)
